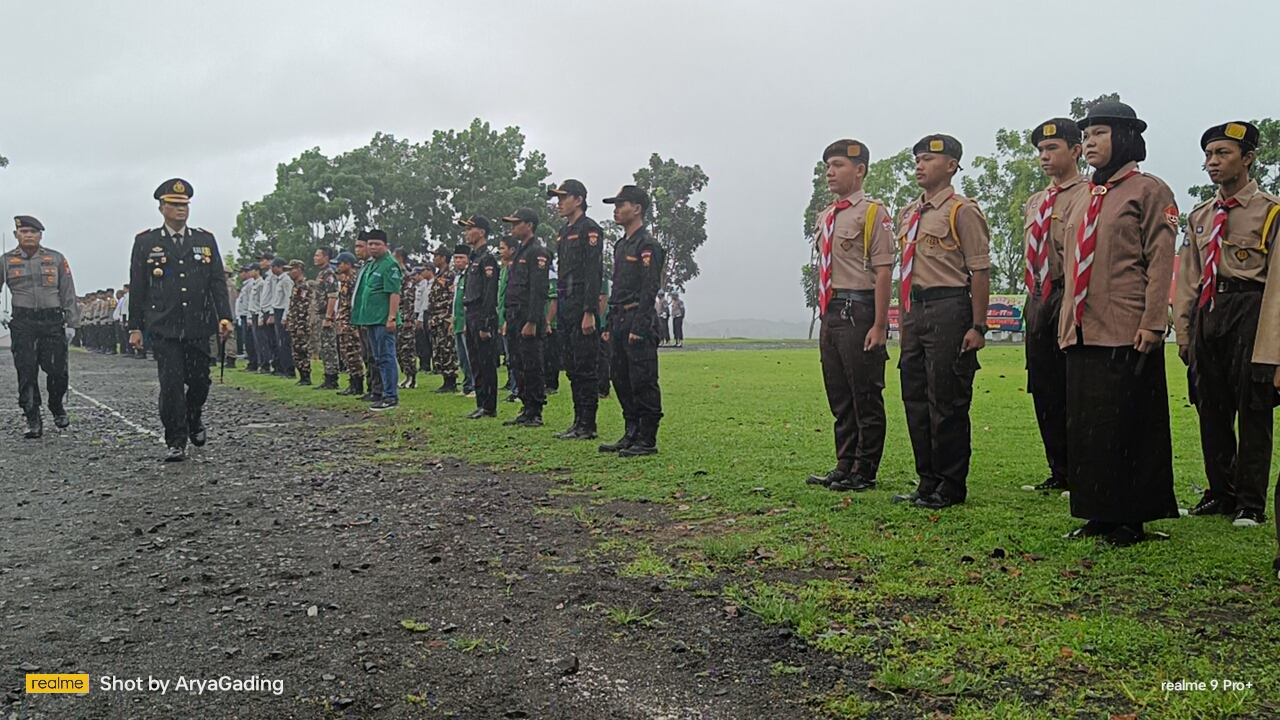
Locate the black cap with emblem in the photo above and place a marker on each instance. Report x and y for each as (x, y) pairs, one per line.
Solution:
(523, 215)
(176, 190)
(1064, 129)
(568, 187)
(28, 222)
(1244, 133)
(475, 221)
(851, 149)
(939, 144)
(631, 194)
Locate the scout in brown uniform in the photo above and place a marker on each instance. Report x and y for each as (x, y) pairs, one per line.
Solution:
(1119, 447)
(1221, 280)
(946, 285)
(854, 237)
(1048, 228)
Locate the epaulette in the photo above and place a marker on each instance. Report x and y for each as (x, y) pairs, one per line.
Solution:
(144, 232)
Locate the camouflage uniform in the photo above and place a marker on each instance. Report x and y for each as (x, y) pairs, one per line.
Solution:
(325, 339)
(406, 340)
(297, 322)
(348, 338)
(444, 355)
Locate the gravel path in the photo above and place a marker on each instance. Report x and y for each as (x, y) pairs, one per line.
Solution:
(278, 558)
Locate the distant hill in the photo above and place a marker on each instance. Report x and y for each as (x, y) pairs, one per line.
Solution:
(754, 329)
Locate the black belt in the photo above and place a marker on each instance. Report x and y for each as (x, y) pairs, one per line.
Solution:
(862, 296)
(1227, 285)
(938, 293)
(38, 313)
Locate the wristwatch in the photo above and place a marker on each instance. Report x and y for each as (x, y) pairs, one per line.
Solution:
(981, 328)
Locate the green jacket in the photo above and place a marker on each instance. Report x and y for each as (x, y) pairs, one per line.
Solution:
(459, 312)
(379, 280)
(502, 295)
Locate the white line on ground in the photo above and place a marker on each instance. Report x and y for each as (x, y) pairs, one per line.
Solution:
(116, 414)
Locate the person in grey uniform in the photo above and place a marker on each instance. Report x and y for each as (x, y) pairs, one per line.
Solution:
(45, 316)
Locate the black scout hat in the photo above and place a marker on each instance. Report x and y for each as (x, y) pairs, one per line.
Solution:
(476, 221)
(940, 144)
(522, 215)
(175, 191)
(851, 149)
(631, 194)
(568, 187)
(1064, 129)
(1110, 112)
(26, 221)
(1244, 133)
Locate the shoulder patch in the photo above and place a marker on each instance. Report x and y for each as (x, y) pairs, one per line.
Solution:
(1171, 215)
(593, 238)
(542, 262)
(488, 270)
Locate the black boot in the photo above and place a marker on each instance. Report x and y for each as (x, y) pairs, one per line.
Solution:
(305, 379)
(572, 432)
(450, 385)
(231, 363)
(646, 442)
(330, 383)
(195, 430)
(35, 426)
(626, 441)
(355, 386)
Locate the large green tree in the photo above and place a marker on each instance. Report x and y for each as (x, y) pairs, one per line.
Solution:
(1001, 185)
(676, 221)
(1266, 164)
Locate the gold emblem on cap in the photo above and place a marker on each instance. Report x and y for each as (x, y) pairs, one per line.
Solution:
(178, 187)
(1050, 130)
(1235, 131)
(854, 150)
(935, 146)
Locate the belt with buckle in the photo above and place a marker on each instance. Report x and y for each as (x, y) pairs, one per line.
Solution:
(862, 296)
(38, 312)
(1228, 285)
(938, 293)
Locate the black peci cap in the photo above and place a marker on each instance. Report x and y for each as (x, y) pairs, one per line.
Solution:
(939, 144)
(1244, 133)
(851, 149)
(1110, 112)
(176, 190)
(1057, 129)
(26, 221)
(476, 221)
(376, 234)
(568, 187)
(631, 194)
(462, 249)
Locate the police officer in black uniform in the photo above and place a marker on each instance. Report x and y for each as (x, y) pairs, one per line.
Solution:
(528, 281)
(580, 259)
(480, 301)
(45, 315)
(638, 261)
(179, 297)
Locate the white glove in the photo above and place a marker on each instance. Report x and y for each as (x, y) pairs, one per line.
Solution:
(70, 333)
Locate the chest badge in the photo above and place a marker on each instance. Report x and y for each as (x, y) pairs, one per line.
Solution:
(847, 245)
(157, 272)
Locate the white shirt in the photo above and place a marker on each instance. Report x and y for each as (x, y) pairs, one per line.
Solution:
(121, 313)
(420, 299)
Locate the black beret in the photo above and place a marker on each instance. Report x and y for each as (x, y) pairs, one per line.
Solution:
(568, 187)
(26, 221)
(175, 190)
(462, 249)
(376, 234)
(1110, 112)
(1057, 129)
(477, 221)
(345, 257)
(631, 194)
(524, 215)
(1244, 133)
(851, 149)
(940, 144)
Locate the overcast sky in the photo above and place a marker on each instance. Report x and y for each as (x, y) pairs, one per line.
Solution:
(103, 101)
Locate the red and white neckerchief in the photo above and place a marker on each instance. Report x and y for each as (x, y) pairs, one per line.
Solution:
(824, 256)
(1209, 282)
(909, 257)
(1038, 245)
(1087, 243)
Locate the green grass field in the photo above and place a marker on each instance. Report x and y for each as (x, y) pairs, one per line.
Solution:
(982, 608)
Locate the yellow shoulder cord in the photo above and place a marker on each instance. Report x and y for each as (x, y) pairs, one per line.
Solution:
(1266, 227)
(867, 229)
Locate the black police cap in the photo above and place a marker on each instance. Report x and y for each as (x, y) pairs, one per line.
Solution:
(523, 215)
(476, 221)
(1064, 129)
(568, 187)
(939, 144)
(851, 149)
(175, 190)
(631, 194)
(1111, 112)
(1244, 133)
(26, 221)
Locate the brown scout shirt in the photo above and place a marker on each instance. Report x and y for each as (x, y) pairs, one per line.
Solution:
(942, 260)
(848, 270)
(1132, 264)
(1242, 255)
(1071, 196)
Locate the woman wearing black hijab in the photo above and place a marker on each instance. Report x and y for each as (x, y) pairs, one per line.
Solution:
(1114, 315)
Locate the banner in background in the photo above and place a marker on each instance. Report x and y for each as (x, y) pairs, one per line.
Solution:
(1004, 313)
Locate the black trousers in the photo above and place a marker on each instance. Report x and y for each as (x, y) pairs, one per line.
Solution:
(422, 345)
(370, 364)
(183, 367)
(1119, 443)
(284, 345)
(249, 343)
(604, 363)
(582, 354)
(38, 343)
(854, 380)
(635, 367)
(1047, 378)
(937, 389)
(553, 356)
(530, 370)
(677, 328)
(483, 353)
(266, 343)
(1231, 391)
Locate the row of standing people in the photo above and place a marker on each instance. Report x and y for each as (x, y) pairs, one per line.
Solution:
(1099, 267)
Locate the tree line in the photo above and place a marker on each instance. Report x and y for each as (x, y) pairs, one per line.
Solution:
(1001, 184)
(417, 191)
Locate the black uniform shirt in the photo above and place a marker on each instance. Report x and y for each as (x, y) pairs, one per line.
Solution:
(177, 285)
(580, 264)
(528, 281)
(480, 294)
